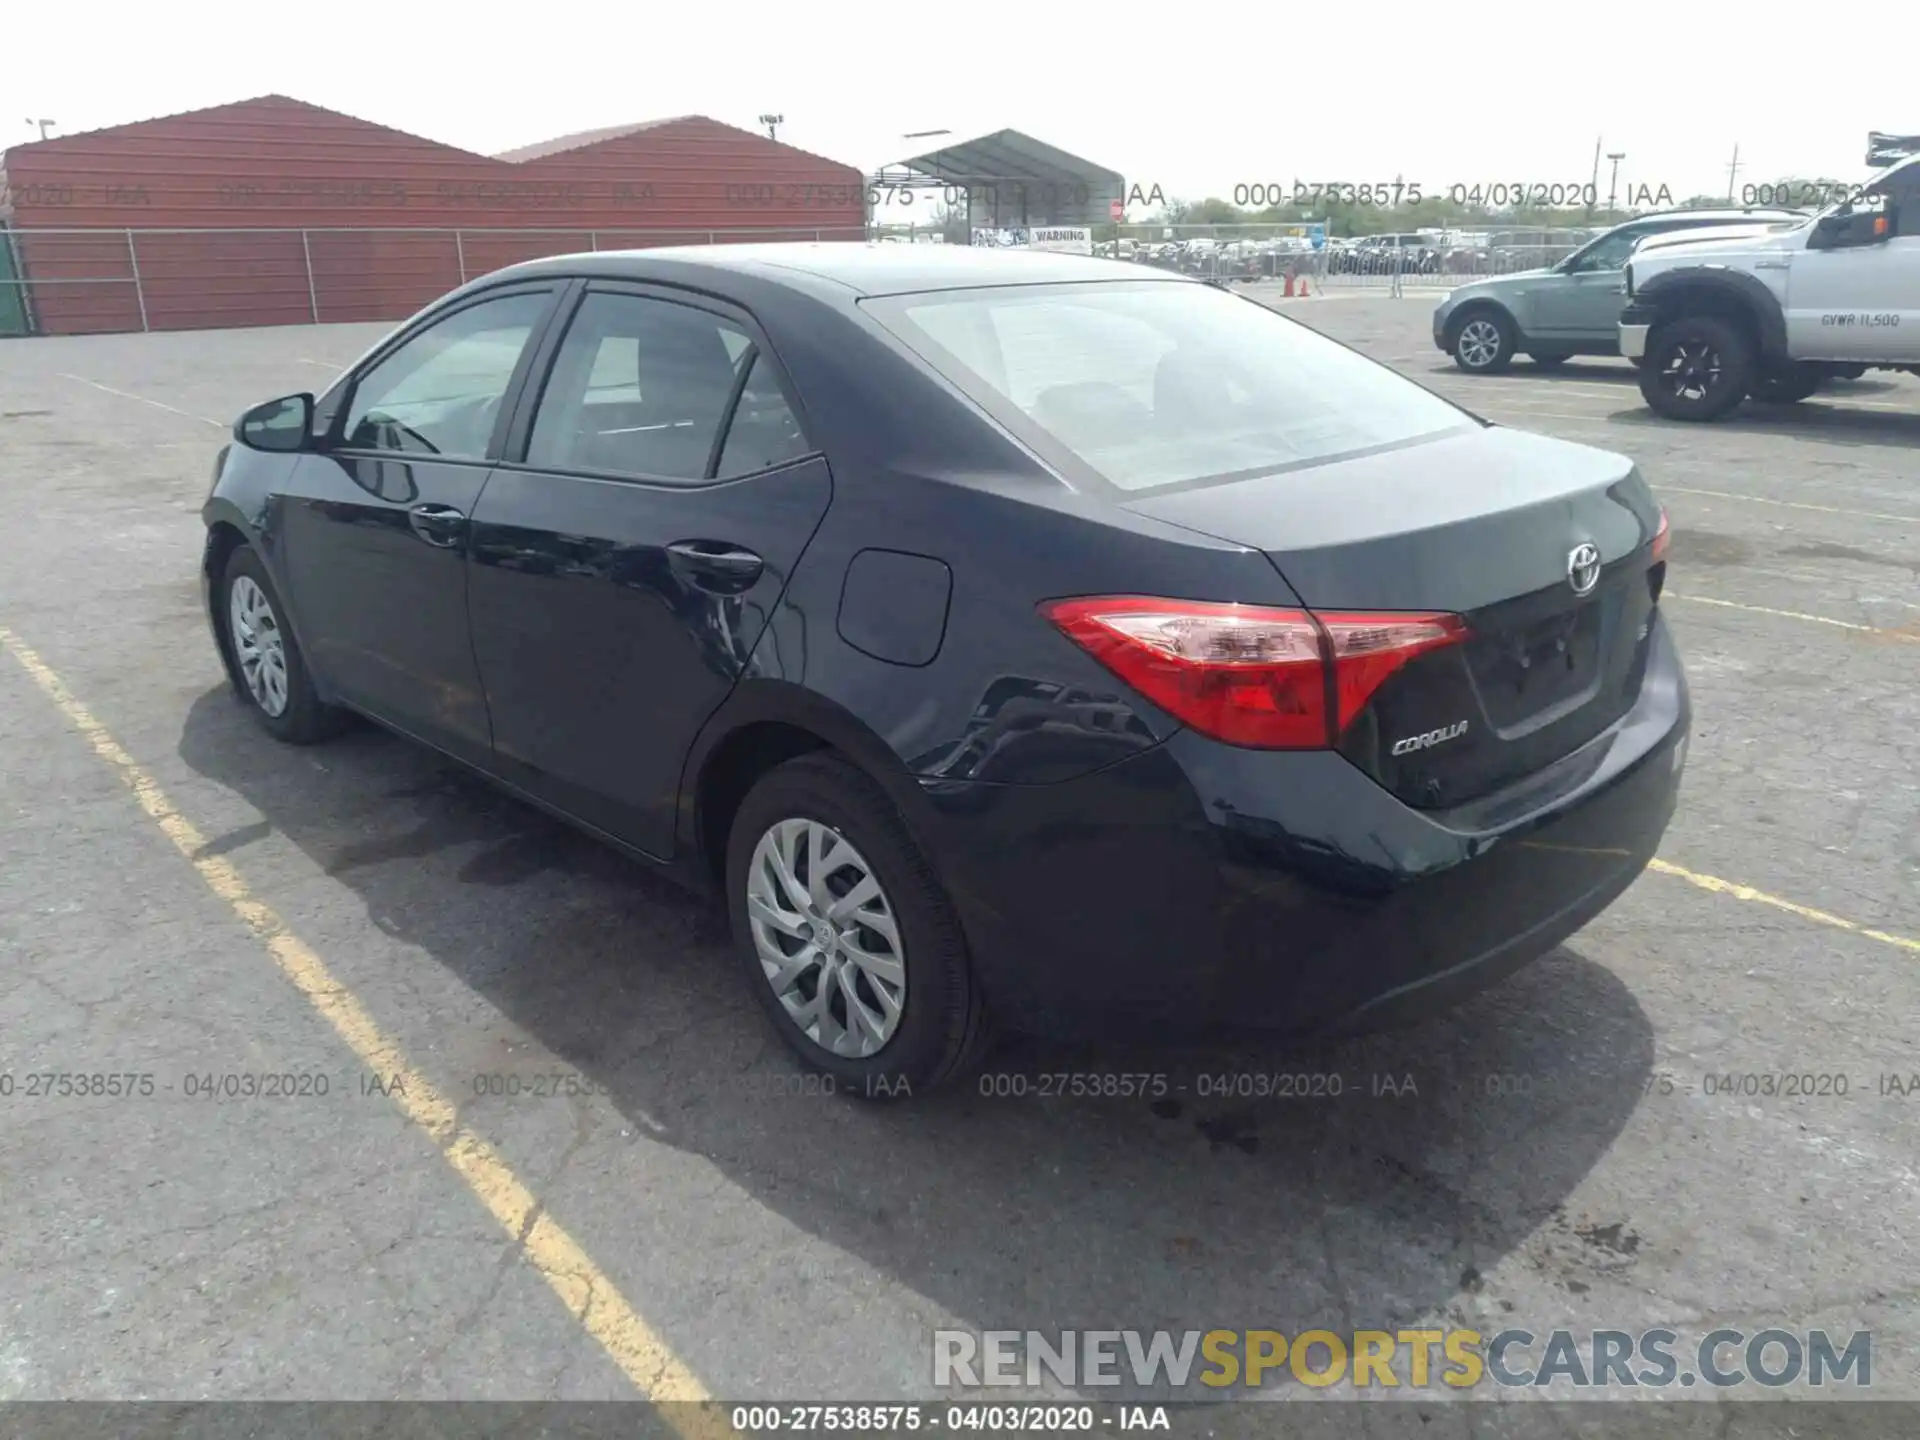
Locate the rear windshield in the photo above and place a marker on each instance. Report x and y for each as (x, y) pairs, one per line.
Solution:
(1156, 384)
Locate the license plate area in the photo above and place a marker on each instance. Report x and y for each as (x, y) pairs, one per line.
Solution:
(1527, 670)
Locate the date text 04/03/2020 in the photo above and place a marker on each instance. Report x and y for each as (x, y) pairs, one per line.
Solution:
(1017, 1419)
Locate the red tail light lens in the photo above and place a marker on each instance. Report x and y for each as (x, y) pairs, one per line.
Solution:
(1249, 675)
(1661, 538)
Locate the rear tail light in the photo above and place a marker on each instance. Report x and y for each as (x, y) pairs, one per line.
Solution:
(1657, 563)
(1267, 679)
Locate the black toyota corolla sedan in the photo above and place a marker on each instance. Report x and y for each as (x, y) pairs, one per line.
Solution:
(1002, 635)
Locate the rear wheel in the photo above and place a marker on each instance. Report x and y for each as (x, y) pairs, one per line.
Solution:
(847, 938)
(1482, 342)
(1697, 368)
(269, 671)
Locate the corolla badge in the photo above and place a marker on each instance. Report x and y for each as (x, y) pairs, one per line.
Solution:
(1583, 567)
(1432, 737)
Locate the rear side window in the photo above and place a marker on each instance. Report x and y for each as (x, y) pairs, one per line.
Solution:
(639, 387)
(1156, 384)
(763, 432)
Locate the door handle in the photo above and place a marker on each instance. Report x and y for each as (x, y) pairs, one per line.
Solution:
(715, 566)
(439, 525)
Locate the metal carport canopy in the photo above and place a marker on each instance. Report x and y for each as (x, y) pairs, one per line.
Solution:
(1008, 155)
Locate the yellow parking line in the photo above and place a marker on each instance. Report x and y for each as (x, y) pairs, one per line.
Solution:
(1790, 504)
(586, 1291)
(1909, 634)
(1760, 897)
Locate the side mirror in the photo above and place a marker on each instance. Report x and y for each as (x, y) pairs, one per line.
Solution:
(284, 425)
(1851, 227)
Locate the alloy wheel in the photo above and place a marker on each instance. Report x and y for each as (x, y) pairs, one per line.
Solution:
(258, 645)
(1478, 344)
(1692, 369)
(827, 937)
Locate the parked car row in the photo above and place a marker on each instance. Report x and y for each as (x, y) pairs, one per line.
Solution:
(1553, 312)
(1412, 253)
(1716, 306)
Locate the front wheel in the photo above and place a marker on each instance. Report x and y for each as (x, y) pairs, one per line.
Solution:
(268, 669)
(1483, 342)
(847, 938)
(1697, 368)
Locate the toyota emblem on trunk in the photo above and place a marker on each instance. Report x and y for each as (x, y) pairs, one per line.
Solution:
(1583, 567)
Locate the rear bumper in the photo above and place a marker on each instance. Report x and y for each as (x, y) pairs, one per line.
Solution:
(1196, 888)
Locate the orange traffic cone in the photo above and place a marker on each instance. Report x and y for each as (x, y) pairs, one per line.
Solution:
(1289, 290)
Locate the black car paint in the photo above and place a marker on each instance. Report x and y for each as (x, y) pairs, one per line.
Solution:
(1109, 867)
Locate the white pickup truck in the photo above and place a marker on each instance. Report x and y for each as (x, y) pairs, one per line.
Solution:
(1714, 317)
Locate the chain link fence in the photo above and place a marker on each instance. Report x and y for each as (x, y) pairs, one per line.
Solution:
(1438, 259)
(95, 281)
(90, 281)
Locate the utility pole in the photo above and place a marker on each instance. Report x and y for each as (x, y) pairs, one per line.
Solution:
(43, 126)
(1594, 187)
(1733, 168)
(1613, 181)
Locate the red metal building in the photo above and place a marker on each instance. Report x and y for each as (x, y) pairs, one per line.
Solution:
(272, 211)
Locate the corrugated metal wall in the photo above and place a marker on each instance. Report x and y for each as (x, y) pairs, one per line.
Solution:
(390, 220)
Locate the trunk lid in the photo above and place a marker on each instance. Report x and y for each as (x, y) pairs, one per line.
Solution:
(1485, 525)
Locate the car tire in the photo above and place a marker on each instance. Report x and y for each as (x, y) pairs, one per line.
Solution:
(1697, 368)
(1549, 361)
(1788, 388)
(268, 669)
(822, 803)
(1481, 342)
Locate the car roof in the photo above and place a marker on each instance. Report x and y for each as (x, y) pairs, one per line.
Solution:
(864, 268)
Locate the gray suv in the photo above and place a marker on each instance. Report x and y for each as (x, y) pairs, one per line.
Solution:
(1572, 308)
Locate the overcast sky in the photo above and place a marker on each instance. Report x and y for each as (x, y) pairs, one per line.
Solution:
(1194, 98)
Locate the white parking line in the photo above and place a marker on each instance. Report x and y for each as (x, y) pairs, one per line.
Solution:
(157, 404)
(1907, 634)
(1629, 395)
(1792, 504)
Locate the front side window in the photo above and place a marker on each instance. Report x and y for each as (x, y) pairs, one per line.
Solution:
(1161, 384)
(1609, 252)
(439, 393)
(639, 387)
